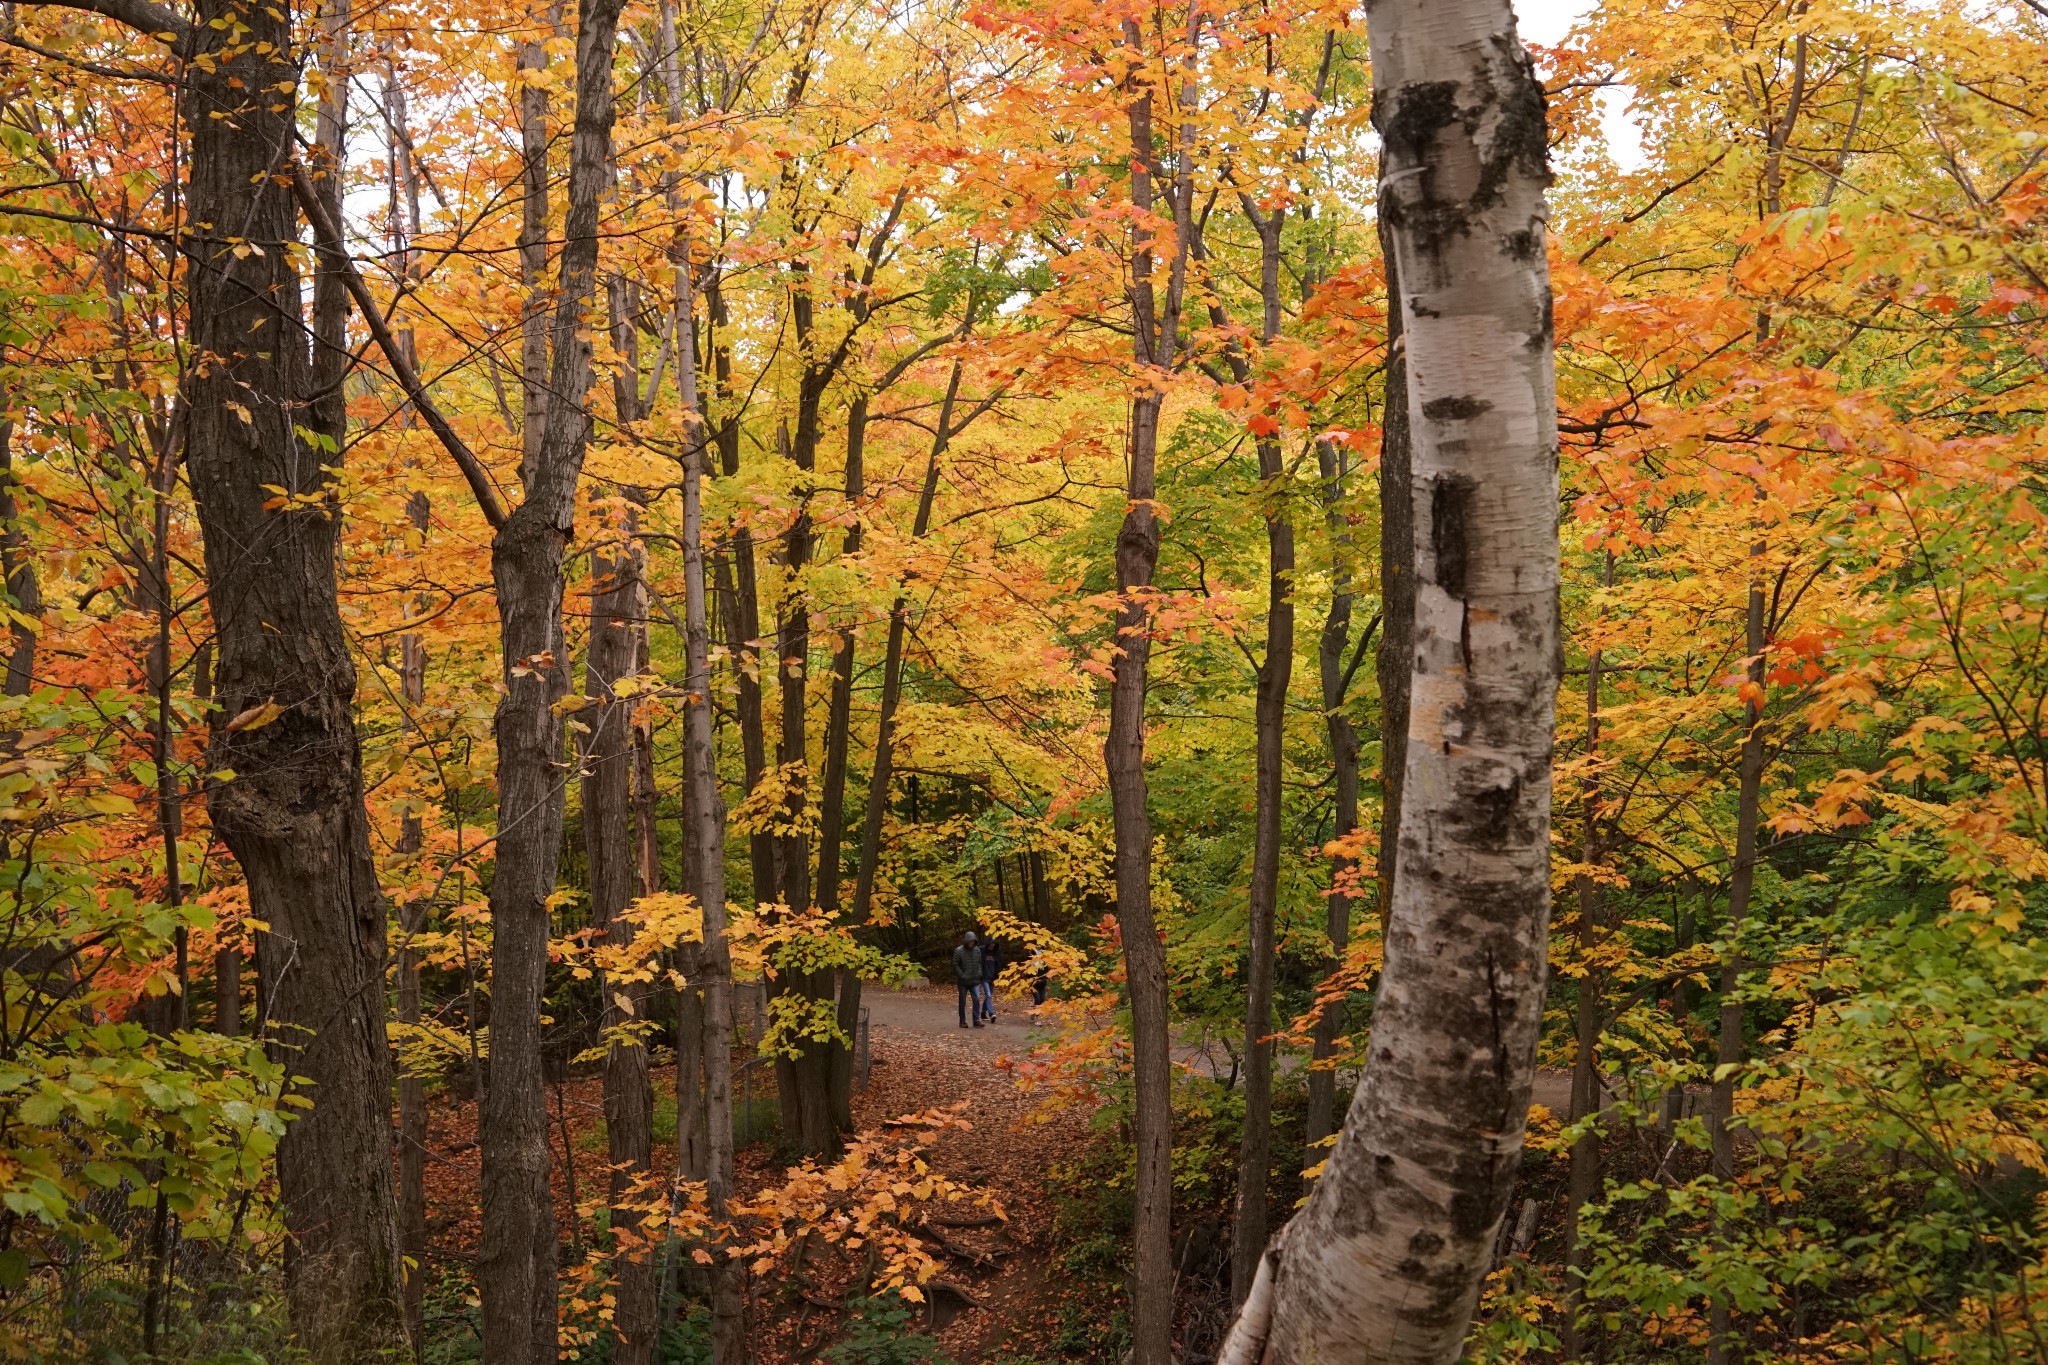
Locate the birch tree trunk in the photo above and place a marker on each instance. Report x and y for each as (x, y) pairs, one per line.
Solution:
(1385, 1262)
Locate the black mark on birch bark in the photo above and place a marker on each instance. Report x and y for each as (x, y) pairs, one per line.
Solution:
(1450, 531)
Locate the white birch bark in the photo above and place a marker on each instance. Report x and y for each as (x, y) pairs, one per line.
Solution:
(1385, 1262)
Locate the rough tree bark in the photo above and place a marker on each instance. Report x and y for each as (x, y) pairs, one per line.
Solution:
(293, 816)
(704, 849)
(610, 654)
(1155, 348)
(516, 1266)
(1385, 1262)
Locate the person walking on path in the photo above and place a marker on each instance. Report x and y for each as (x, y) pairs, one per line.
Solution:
(1041, 976)
(967, 976)
(991, 968)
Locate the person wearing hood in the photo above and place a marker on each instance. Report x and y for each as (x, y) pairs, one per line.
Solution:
(967, 976)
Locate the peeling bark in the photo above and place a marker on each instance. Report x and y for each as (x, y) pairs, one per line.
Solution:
(516, 1268)
(1385, 1262)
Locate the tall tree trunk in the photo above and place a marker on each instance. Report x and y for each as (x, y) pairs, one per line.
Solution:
(704, 855)
(880, 776)
(1276, 675)
(739, 592)
(1343, 741)
(832, 815)
(533, 248)
(1155, 348)
(615, 605)
(516, 1266)
(413, 1239)
(293, 815)
(1385, 1262)
(1724, 1343)
(1583, 1184)
(412, 1091)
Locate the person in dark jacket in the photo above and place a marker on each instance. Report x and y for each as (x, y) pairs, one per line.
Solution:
(967, 976)
(991, 968)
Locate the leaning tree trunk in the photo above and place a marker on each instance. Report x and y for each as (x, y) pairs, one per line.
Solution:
(293, 815)
(1385, 1262)
(516, 1267)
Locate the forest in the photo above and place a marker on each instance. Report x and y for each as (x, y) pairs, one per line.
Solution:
(1433, 612)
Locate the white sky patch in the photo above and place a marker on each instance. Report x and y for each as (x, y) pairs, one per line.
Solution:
(1547, 22)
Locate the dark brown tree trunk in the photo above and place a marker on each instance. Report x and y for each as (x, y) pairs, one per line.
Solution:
(704, 855)
(880, 776)
(739, 593)
(533, 248)
(1343, 742)
(1724, 1343)
(293, 814)
(832, 815)
(413, 1239)
(1583, 1183)
(412, 1091)
(1276, 675)
(615, 606)
(1155, 349)
(517, 1263)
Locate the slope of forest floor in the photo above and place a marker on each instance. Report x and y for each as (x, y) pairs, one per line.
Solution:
(994, 1296)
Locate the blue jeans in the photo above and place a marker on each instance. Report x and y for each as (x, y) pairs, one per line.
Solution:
(985, 1000)
(969, 990)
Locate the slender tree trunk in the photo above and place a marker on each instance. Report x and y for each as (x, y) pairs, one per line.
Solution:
(413, 1239)
(615, 605)
(533, 248)
(516, 1265)
(832, 815)
(704, 856)
(1276, 675)
(1155, 347)
(1583, 1184)
(1343, 741)
(881, 775)
(740, 594)
(293, 815)
(412, 1091)
(1385, 1262)
(1724, 1344)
